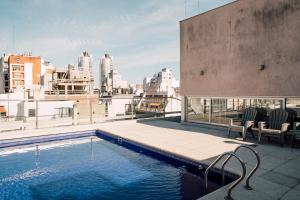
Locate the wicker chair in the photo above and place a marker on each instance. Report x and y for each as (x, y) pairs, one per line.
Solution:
(276, 125)
(245, 123)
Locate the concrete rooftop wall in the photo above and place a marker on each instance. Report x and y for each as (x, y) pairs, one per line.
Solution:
(221, 51)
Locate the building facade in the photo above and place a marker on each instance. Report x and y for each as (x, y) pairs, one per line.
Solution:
(161, 92)
(111, 82)
(4, 81)
(77, 79)
(105, 77)
(243, 54)
(47, 70)
(24, 72)
(85, 65)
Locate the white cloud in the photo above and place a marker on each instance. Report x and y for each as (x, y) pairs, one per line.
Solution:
(146, 36)
(157, 55)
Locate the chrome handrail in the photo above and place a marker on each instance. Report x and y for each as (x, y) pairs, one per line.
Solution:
(235, 183)
(247, 186)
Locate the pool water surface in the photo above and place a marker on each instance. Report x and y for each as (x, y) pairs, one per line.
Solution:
(92, 168)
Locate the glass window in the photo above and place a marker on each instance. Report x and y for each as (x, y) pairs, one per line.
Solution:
(31, 112)
(294, 103)
(216, 110)
(222, 110)
(268, 104)
(235, 108)
(17, 67)
(63, 112)
(198, 109)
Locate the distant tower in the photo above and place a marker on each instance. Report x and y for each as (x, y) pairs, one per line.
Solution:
(85, 66)
(105, 73)
(85, 69)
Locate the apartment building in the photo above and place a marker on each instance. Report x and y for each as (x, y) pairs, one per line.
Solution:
(161, 92)
(24, 72)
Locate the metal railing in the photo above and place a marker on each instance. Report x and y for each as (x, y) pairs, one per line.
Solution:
(76, 110)
(247, 186)
(69, 92)
(236, 182)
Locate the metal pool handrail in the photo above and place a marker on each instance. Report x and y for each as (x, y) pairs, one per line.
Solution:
(235, 183)
(247, 186)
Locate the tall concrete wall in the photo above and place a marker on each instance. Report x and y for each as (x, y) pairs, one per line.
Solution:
(221, 51)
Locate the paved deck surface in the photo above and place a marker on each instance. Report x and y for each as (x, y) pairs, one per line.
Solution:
(277, 178)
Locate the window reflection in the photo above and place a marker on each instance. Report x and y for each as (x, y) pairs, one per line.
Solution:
(225, 109)
(198, 109)
(294, 103)
(222, 110)
(268, 104)
(218, 111)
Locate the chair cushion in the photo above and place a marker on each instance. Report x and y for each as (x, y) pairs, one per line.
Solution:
(271, 131)
(236, 127)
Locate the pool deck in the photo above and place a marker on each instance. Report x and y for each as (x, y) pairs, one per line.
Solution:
(277, 178)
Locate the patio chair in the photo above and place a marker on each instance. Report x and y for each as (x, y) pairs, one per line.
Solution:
(245, 123)
(276, 125)
(295, 133)
(292, 117)
(261, 116)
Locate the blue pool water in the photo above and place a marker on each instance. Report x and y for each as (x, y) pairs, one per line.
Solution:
(92, 168)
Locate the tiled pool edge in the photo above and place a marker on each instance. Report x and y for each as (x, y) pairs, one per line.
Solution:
(45, 138)
(167, 154)
(122, 141)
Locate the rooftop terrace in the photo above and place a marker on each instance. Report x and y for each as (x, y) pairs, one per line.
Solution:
(278, 176)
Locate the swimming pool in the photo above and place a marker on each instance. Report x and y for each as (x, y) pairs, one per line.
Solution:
(94, 168)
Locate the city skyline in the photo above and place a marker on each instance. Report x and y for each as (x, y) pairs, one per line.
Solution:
(139, 35)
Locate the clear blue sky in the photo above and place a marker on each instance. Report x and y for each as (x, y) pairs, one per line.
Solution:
(141, 35)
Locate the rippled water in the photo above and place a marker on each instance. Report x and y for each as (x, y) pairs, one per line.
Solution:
(85, 169)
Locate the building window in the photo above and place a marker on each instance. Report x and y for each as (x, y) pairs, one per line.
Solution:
(31, 112)
(222, 110)
(294, 103)
(267, 103)
(198, 109)
(64, 112)
(17, 68)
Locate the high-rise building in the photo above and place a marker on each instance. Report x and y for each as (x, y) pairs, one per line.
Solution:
(111, 82)
(105, 71)
(85, 66)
